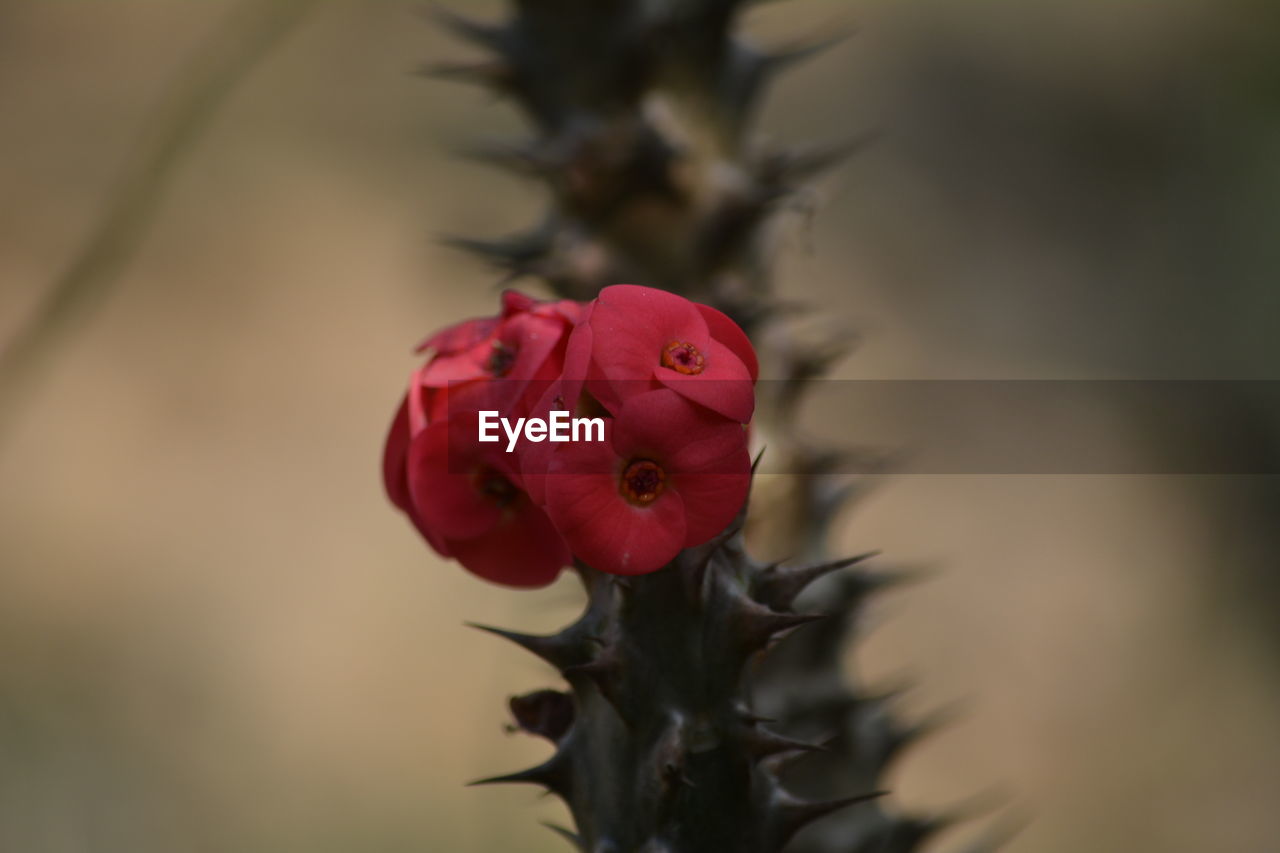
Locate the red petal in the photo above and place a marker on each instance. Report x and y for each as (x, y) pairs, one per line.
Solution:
(678, 434)
(533, 457)
(515, 302)
(632, 325)
(724, 386)
(569, 309)
(731, 335)
(395, 456)
(577, 358)
(599, 525)
(464, 366)
(631, 307)
(459, 336)
(704, 456)
(711, 500)
(523, 550)
(442, 480)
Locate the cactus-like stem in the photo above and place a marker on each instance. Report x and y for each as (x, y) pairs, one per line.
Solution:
(659, 748)
(642, 112)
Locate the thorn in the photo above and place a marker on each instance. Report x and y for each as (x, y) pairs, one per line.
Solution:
(889, 737)
(998, 834)
(763, 743)
(927, 725)
(779, 587)
(758, 625)
(554, 649)
(776, 763)
(516, 253)
(889, 691)
(755, 463)
(795, 814)
(494, 74)
(797, 165)
(520, 159)
(893, 578)
(602, 671)
(786, 57)
(750, 718)
(599, 669)
(984, 803)
(550, 775)
(490, 36)
(567, 834)
(655, 845)
(817, 358)
(910, 831)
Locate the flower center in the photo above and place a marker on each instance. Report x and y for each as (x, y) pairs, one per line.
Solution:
(682, 357)
(642, 482)
(501, 358)
(495, 487)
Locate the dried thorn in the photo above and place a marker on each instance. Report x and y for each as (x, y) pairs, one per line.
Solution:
(567, 834)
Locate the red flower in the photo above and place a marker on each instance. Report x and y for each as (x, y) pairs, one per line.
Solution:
(669, 475)
(673, 382)
(468, 501)
(643, 339)
(489, 362)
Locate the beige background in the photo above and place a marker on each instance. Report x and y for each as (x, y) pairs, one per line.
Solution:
(215, 633)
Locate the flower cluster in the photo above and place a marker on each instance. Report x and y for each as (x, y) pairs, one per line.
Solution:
(673, 382)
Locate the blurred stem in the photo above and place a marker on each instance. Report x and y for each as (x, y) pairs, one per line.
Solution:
(248, 33)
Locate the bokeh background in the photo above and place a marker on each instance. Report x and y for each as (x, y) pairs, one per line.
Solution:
(215, 633)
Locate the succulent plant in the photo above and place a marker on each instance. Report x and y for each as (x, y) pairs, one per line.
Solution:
(707, 708)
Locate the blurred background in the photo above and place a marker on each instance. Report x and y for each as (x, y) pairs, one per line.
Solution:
(217, 635)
